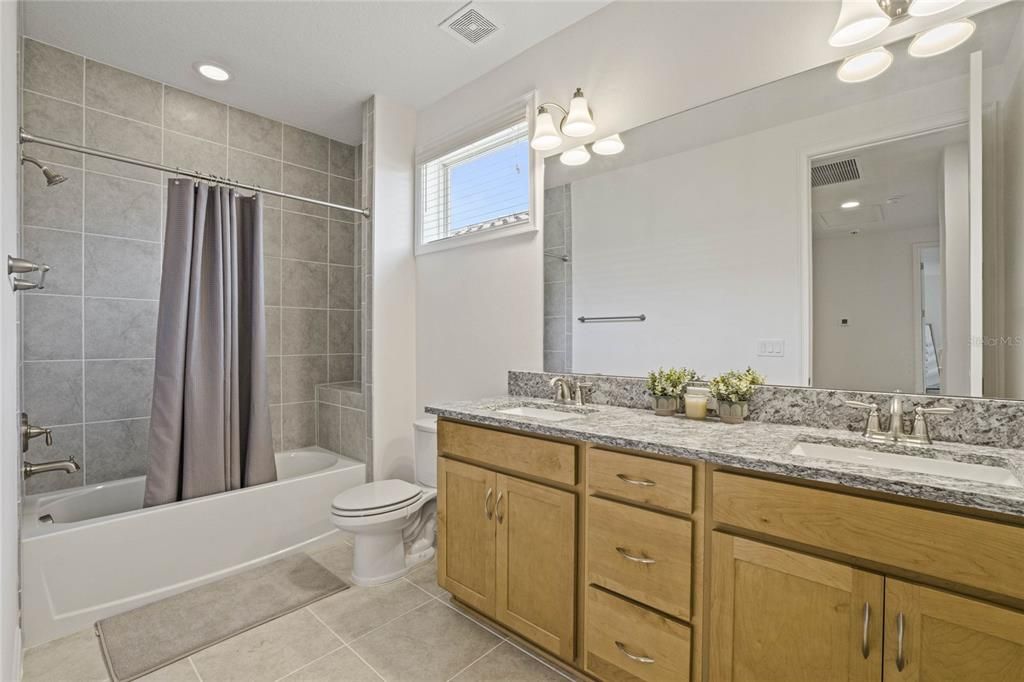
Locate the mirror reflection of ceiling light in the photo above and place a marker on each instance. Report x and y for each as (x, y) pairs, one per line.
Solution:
(865, 66)
(858, 21)
(577, 121)
(212, 72)
(608, 146)
(849, 204)
(926, 8)
(577, 156)
(936, 41)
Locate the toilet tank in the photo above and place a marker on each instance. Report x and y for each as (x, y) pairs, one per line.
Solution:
(425, 446)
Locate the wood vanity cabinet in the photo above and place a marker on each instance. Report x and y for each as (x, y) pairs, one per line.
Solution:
(506, 544)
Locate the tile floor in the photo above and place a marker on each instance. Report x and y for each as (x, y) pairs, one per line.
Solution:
(403, 631)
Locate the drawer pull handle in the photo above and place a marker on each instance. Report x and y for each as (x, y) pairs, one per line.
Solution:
(642, 559)
(864, 650)
(645, 482)
(487, 507)
(646, 660)
(901, 659)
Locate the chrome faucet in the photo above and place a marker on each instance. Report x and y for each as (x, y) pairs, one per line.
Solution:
(68, 466)
(896, 433)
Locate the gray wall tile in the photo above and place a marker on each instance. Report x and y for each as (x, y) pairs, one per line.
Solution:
(121, 268)
(554, 231)
(254, 133)
(342, 287)
(272, 281)
(341, 367)
(305, 149)
(190, 153)
(52, 71)
(274, 380)
(342, 331)
(342, 430)
(554, 333)
(67, 442)
(273, 315)
(116, 450)
(122, 93)
(118, 389)
(122, 208)
(54, 118)
(120, 329)
(328, 431)
(342, 191)
(298, 425)
(52, 392)
(300, 375)
(304, 285)
(52, 328)
(121, 136)
(275, 427)
(258, 170)
(59, 206)
(306, 183)
(343, 243)
(343, 159)
(62, 251)
(195, 115)
(271, 231)
(303, 331)
(304, 237)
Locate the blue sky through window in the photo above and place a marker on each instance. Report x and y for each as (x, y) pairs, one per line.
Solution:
(490, 186)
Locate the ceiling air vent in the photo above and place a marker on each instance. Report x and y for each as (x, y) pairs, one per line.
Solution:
(469, 25)
(835, 172)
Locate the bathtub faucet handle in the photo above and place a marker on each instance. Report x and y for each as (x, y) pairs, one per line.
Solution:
(30, 431)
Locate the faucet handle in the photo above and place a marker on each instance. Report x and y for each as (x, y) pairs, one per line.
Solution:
(873, 425)
(863, 406)
(920, 433)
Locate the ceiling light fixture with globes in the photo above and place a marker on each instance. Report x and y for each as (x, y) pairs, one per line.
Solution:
(861, 20)
(576, 121)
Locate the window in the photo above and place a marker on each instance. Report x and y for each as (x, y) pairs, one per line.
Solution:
(479, 186)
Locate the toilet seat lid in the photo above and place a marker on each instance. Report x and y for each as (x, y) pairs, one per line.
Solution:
(377, 497)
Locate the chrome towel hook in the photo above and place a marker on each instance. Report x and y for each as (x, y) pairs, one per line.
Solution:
(18, 266)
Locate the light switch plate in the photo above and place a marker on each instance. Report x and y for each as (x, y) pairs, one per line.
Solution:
(771, 348)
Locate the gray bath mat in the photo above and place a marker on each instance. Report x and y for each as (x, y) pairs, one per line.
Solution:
(150, 637)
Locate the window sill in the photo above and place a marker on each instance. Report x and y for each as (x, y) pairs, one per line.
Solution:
(474, 238)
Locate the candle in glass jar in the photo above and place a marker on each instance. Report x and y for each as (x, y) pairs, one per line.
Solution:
(696, 406)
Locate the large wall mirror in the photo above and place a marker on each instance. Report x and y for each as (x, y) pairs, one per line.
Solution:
(863, 236)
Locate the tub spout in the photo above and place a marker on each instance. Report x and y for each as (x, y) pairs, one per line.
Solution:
(68, 466)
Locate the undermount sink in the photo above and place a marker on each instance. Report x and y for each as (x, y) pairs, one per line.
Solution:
(980, 473)
(546, 414)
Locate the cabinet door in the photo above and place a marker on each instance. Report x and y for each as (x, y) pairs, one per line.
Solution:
(936, 636)
(465, 533)
(537, 563)
(783, 616)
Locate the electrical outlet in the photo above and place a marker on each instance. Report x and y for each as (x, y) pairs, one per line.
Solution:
(771, 348)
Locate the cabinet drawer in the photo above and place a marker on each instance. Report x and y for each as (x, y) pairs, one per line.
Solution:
(640, 479)
(641, 554)
(523, 454)
(983, 554)
(629, 642)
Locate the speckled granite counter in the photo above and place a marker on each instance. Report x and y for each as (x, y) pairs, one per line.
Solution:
(758, 446)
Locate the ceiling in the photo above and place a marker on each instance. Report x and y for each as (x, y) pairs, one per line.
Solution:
(310, 64)
(898, 187)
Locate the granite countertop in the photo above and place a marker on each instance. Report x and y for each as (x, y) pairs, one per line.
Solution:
(759, 446)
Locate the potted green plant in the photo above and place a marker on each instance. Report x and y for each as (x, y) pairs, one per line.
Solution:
(731, 391)
(666, 386)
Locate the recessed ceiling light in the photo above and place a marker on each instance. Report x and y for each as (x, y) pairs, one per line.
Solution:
(941, 39)
(865, 66)
(850, 204)
(577, 156)
(212, 71)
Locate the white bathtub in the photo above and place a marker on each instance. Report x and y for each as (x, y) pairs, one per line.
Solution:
(103, 553)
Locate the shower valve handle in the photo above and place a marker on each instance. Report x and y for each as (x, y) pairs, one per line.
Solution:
(18, 266)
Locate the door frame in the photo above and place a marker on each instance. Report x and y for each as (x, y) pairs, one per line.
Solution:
(916, 267)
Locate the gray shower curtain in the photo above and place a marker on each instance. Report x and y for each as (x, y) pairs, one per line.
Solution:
(210, 423)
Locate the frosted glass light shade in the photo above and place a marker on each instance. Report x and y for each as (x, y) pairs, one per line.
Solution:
(545, 135)
(577, 156)
(578, 123)
(858, 21)
(926, 8)
(607, 146)
(941, 39)
(865, 66)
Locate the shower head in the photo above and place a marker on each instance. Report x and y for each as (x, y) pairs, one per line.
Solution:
(52, 176)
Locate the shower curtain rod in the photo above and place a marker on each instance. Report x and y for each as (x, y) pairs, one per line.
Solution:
(28, 137)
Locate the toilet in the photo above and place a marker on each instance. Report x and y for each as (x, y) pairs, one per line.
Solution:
(393, 521)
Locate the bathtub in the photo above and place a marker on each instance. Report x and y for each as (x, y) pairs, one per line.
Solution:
(92, 552)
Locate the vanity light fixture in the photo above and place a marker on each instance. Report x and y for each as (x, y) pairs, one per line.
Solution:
(577, 156)
(850, 204)
(941, 39)
(858, 21)
(608, 146)
(926, 8)
(212, 71)
(577, 121)
(865, 66)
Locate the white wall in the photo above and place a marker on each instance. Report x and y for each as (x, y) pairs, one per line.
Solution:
(867, 279)
(708, 243)
(955, 244)
(394, 296)
(1012, 119)
(10, 455)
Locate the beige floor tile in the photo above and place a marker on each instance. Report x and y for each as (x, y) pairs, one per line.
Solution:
(336, 558)
(509, 664)
(358, 610)
(181, 671)
(431, 643)
(74, 658)
(267, 652)
(425, 576)
(341, 666)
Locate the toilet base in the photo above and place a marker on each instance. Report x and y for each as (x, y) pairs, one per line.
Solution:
(380, 559)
